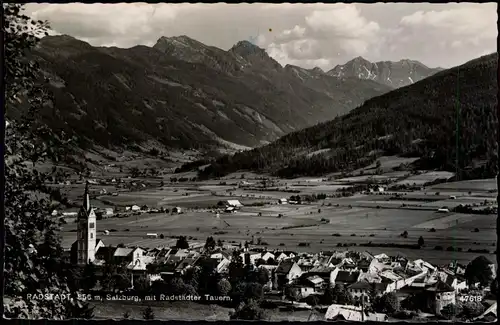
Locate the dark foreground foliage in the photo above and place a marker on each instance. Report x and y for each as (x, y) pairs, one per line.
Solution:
(33, 252)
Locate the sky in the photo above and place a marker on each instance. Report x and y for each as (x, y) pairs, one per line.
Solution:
(306, 35)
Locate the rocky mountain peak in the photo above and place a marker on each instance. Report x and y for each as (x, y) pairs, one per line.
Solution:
(254, 55)
(394, 74)
(245, 48)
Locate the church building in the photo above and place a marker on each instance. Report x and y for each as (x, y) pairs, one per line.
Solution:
(84, 248)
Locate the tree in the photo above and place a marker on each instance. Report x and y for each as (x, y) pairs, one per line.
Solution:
(254, 290)
(220, 243)
(126, 314)
(249, 311)
(421, 241)
(210, 243)
(450, 311)
(263, 276)
(336, 295)
(141, 284)
(329, 295)
(224, 287)
(388, 303)
(236, 269)
(342, 296)
(478, 270)
(271, 261)
(89, 277)
(148, 313)
(494, 287)
(31, 266)
(292, 293)
(134, 172)
(472, 309)
(182, 243)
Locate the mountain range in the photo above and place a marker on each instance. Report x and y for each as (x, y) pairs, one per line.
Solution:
(448, 115)
(392, 74)
(181, 93)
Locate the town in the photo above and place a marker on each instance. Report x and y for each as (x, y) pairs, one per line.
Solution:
(329, 285)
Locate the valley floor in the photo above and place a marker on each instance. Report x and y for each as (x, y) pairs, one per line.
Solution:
(375, 218)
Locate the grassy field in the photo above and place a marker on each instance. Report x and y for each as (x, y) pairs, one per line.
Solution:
(163, 310)
(188, 311)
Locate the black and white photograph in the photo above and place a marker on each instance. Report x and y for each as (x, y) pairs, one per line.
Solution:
(253, 161)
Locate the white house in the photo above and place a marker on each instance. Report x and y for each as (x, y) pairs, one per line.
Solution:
(54, 213)
(280, 256)
(99, 244)
(382, 257)
(254, 257)
(234, 203)
(359, 289)
(352, 313)
(425, 266)
(136, 208)
(304, 290)
(287, 271)
(223, 265)
(151, 235)
(267, 255)
(282, 201)
(176, 210)
(230, 210)
(108, 211)
(221, 255)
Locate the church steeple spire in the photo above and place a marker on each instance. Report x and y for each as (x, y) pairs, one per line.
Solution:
(86, 241)
(86, 208)
(86, 198)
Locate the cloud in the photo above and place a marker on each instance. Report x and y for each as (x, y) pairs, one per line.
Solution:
(307, 35)
(470, 29)
(327, 35)
(103, 24)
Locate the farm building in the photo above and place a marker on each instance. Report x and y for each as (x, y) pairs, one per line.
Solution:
(176, 210)
(151, 235)
(234, 203)
(230, 210)
(135, 208)
(443, 210)
(108, 211)
(54, 213)
(282, 201)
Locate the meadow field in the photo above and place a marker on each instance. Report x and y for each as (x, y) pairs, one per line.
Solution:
(333, 223)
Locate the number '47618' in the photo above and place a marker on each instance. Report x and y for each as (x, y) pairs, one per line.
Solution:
(466, 298)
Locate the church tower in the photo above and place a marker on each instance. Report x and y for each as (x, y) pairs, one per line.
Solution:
(86, 241)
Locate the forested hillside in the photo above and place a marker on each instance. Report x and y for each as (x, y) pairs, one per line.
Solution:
(419, 120)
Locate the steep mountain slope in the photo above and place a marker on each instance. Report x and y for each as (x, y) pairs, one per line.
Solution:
(182, 93)
(392, 74)
(418, 121)
(252, 66)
